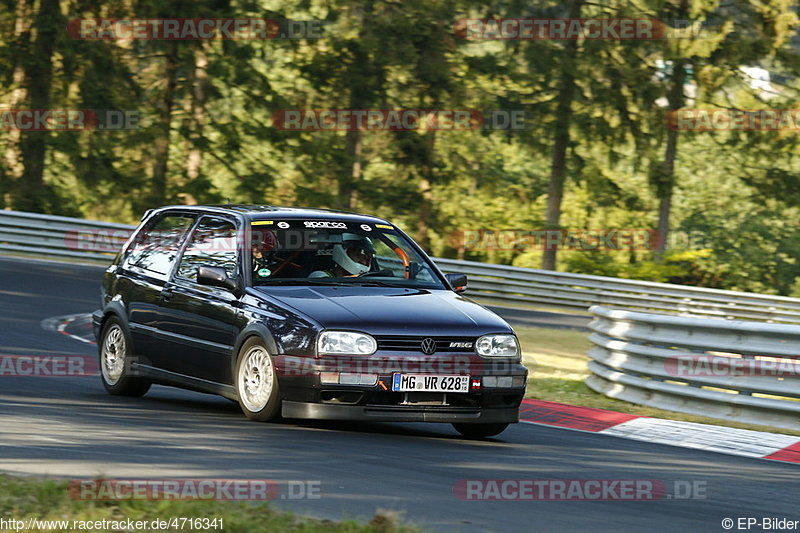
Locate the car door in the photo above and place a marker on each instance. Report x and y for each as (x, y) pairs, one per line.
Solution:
(143, 272)
(198, 324)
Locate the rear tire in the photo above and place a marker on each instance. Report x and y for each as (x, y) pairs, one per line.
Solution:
(257, 382)
(479, 431)
(115, 356)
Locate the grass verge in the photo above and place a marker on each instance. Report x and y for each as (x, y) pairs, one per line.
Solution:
(49, 500)
(557, 362)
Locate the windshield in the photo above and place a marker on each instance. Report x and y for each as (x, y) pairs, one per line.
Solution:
(328, 252)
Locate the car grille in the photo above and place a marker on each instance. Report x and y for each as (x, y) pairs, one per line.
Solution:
(408, 343)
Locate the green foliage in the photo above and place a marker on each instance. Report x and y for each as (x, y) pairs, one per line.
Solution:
(207, 132)
(673, 267)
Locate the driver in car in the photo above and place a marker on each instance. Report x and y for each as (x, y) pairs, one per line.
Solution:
(351, 258)
(263, 242)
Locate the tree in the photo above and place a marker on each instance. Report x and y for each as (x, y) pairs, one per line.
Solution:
(37, 68)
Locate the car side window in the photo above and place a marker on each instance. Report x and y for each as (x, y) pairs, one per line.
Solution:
(155, 247)
(213, 243)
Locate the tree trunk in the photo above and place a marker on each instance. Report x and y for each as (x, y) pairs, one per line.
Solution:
(426, 192)
(161, 142)
(666, 175)
(12, 170)
(196, 110)
(561, 140)
(194, 157)
(348, 181)
(38, 79)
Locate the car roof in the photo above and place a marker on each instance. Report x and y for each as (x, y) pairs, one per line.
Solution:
(270, 212)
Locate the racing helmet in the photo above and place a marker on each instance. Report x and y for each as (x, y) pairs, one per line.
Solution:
(354, 246)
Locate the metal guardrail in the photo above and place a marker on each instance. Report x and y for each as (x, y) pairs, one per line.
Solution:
(563, 289)
(64, 237)
(50, 235)
(734, 370)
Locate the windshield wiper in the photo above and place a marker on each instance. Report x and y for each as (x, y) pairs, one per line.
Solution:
(374, 283)
(306, 281)
(322, 281)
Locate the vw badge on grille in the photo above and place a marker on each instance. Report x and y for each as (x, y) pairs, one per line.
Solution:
(428, 346)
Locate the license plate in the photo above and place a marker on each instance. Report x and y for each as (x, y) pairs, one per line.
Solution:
(429, 383)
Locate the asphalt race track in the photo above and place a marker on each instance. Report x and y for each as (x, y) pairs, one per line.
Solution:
(69, 427)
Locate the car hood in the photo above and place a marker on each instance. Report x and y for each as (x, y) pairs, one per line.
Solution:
(389, 310)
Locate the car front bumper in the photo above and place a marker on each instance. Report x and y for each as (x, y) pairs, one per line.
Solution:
(405, 413)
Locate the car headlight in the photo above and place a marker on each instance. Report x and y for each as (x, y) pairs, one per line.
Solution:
(345, 342)
(497, 346)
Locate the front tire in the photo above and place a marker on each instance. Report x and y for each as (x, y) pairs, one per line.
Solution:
(479, 431)
(257, 382)
(115, 362)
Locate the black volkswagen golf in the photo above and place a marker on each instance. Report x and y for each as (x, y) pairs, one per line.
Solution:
(303, 313)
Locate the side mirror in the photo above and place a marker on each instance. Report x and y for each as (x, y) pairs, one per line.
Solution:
(457, 281)
(217, 277)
